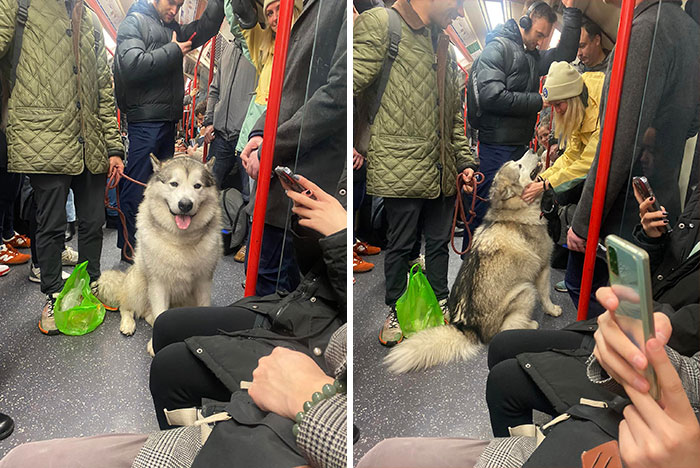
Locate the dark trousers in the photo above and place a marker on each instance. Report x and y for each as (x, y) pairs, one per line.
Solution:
(144, 138)
(277, 269)
(491, 158)
(228, 158)
(10, 185)
(50, 194)
(406, 216)
(574, 276)
(511, 394)
(178, 379)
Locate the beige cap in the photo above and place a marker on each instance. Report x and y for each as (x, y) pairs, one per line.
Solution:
(266, 4)
(563, 82)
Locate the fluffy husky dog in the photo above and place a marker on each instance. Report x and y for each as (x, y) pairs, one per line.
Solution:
(179, 244)
(499, 281)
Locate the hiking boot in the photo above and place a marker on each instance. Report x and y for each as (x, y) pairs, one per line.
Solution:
(561, 287)
(240, 255)
(4, 269)
(391, 334)
(108, 307)
(363, 248)
(419, 260)
(35, 274)
(69, 257)
(445, 310)
(18, 241)
(47, 324)
(11, 256)
(359, 265)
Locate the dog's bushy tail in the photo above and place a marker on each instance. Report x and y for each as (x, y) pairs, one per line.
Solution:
(109, 285)
(430, 347)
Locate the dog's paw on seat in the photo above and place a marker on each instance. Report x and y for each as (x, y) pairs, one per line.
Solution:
(149, 348)
(127, 326)
(554, 311)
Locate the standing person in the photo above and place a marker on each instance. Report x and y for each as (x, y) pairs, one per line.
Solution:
(506, 77)
(233, 83)
(150, 87)
(62, 130)
(417, 145)
(591, 55)
(656, 112)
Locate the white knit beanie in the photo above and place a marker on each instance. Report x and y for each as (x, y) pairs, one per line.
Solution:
(563, 82)
(266, 4)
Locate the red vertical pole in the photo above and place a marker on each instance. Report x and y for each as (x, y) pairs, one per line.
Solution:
(606, 145)
(270, 132)
(212, 56)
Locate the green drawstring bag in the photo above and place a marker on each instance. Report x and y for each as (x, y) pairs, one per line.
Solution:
(77, 311)
(418, 308)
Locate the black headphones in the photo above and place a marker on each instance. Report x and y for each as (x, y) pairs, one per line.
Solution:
(526, 22)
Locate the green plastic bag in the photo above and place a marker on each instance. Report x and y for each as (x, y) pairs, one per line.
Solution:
(77, 311)
(418, 308)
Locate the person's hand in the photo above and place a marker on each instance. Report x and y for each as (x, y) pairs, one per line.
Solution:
(616, 353)
(185, 47)
(284, 380)
(664, 433)
(325, 214)
(209, 134)
(531, 192)
(467, 176)
(250, 158)
(653, 222)
(574, 242)
(569, 3)
(357, 159)
(116, 168)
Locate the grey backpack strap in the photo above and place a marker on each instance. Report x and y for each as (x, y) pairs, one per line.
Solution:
(20, 23)
(393, 52)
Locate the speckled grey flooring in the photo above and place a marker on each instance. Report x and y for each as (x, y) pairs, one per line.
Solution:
(445, 401)
(63, 386)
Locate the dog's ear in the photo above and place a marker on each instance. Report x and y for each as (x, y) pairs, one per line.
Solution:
(505, 184)
(210, 164)
(155, 162)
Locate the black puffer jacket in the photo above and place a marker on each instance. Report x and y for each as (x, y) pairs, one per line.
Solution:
(148, 79)
(507, 78)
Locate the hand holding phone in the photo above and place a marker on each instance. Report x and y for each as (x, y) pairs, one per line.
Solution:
(290, 181)
(654, 217)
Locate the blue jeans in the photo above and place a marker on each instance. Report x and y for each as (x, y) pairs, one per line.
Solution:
(70, 207)
(491, 158)
(144, 138)
(226, 159)
(574, 276)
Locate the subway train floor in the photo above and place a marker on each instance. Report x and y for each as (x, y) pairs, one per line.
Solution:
(445, 401)
(66, 386)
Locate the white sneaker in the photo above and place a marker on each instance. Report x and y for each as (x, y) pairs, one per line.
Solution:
(420, 260)
(69, 257)
(35, 274)
(4, 269)
(445, 310)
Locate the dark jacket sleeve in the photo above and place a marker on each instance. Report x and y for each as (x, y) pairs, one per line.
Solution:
(568, 43)
(631, 116)
(321, 116)
(135, 63)
(685, 323)
(655, 246)
(206, 26)
(334, 256)
(494, 97)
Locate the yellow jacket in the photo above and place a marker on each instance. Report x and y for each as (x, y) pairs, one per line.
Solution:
(573, 165)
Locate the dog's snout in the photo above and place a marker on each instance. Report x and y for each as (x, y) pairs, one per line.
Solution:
(184, 205)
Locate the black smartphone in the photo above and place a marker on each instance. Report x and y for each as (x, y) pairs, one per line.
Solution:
(288, 179)
(642, 185)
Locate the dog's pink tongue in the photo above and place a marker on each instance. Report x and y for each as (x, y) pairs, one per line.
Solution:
(183, 221)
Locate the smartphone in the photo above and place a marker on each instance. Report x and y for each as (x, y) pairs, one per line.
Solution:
(643, 187)
(630, 280)
(192, 36)
(289, 180)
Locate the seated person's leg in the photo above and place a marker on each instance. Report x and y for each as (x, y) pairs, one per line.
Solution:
(105, 451)
(424, 452)
(176, 325)
(511, 396)
(179, 380)
(508, 344)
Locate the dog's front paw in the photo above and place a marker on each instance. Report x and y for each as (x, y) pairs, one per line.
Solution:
(127, 326)
(534, 325)
(149, 348)
(554, 310)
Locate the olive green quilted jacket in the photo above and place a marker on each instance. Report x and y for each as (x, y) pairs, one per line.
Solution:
(405, 157)
(61, 117)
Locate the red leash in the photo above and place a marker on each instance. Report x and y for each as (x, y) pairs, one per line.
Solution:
(459, 209)
(113, 183)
